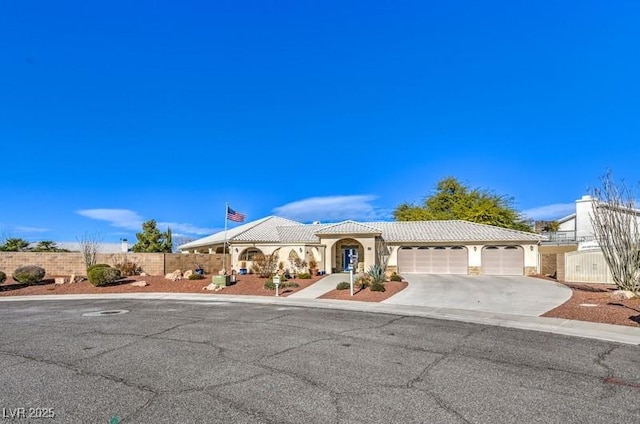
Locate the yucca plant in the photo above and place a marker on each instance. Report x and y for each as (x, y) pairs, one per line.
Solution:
(376, 273)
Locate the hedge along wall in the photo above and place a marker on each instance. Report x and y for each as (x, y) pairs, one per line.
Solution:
(67, 263)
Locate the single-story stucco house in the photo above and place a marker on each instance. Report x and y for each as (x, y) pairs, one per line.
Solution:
(437, 247)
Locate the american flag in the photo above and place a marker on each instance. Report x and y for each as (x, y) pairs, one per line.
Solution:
(234, 216)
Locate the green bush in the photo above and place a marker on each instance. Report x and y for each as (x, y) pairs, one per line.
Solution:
(195, 276)
(343, 286)
(103, 275)
(97, 266)
(3, 277)
(395, 277)
(304, 276)
(270, 285)
(379, 287)
(29, 274)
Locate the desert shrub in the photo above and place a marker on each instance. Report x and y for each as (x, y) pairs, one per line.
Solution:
(362, 281)
(97, 266)
(265, 265)
(270, 285)
(3, 277)
(102, 275)
(379, 287)
(343, 286)
(395, 277)
(125, 266)
(195, 276)
(304, 276)
(29, 274)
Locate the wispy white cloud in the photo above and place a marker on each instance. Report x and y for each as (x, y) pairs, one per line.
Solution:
(181, 229)
(332, 208)
(548, 212)
(131, 220)
(121, 218)
(30, 230)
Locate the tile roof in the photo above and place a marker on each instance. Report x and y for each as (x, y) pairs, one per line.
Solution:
(231, 233)
(349, 227)
(281, 230)
(300, 233)
(267, 231)
(448, 231)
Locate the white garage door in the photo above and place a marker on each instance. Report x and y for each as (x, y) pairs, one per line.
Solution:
(502, 260)
(433, 260)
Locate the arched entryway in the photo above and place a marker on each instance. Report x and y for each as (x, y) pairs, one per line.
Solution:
(347, 253)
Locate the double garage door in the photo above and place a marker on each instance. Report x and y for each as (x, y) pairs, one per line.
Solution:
(496, 260)
(433, 260)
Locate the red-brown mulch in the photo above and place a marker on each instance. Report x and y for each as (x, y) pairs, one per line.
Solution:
(366, 295)
(606, 310)
(245, 285)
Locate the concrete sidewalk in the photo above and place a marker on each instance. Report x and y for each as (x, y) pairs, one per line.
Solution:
(320, 287)
(614, 333)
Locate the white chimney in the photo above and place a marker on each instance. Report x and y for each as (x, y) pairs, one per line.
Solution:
(124, 245)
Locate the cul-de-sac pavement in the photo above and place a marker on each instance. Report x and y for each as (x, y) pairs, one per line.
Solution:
(186, 361)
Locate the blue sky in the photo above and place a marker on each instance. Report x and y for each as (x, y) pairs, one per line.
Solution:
(113, 113)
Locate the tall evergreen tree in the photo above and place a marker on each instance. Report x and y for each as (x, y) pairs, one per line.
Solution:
(151, 240)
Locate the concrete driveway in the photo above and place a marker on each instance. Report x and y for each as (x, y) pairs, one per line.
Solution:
(500, 294)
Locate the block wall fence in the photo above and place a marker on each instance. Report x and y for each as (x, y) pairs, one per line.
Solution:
(67, 263)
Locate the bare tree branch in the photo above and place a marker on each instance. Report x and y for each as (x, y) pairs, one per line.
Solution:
(615, 222)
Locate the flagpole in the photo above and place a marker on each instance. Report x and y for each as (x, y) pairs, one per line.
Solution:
(224, 248)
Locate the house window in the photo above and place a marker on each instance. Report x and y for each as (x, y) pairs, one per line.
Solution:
(249, 254)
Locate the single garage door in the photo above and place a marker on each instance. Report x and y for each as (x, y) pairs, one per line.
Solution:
(503, 260)
(433, 260)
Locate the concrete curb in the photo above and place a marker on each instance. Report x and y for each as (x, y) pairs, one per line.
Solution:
(608, 332)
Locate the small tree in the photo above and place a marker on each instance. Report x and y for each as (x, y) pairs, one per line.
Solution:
(615, 223)
(265, 265)
(89, 246)
(48, 246)
(151, 240)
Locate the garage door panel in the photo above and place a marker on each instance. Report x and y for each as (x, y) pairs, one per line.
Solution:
(458, 261)
(433, 260)
(502, 260)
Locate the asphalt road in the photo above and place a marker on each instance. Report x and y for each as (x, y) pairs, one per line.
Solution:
(191, 362)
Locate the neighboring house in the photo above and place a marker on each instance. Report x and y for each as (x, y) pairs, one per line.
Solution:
(437, 247)
(577, 228)
(576, 233)
(74, 246)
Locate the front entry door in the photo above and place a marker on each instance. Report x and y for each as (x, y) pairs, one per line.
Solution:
(349, 255)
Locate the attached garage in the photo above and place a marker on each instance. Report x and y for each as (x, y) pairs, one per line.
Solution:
(433, 260)
(502, 260)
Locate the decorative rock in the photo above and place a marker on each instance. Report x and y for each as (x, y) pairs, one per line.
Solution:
(143, 274)
(61, 280)
(174, 276)
(139, 284)
(213, 287)
(622, 294)
(72, 279)
(187, 273)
